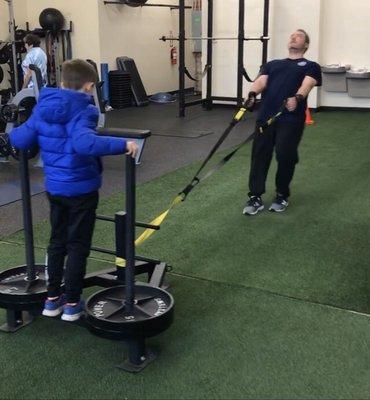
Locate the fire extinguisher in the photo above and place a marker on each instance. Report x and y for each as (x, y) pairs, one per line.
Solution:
(173, 55)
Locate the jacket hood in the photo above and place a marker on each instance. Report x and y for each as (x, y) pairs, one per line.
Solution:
(61, 105)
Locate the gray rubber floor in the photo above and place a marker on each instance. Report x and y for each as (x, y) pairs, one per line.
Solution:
(175, 142)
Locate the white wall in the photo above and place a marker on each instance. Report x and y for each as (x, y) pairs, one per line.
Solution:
(345, 36)
(225, 53)
(85, 18)
(135, 32)
(104, 32)
(339, 31)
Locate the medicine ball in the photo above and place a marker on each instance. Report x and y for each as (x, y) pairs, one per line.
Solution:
(134, 3)
(51, 19)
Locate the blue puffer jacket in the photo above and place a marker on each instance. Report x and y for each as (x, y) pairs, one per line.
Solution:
(63, 123)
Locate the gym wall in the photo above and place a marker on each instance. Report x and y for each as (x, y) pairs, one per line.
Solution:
(104, 32)
(345, 34)
(339, 32)
(225, 53)
(85, 18)
(4, 34)
(135, 32)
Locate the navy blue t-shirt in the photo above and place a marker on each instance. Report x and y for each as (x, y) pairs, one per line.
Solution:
(285, 77)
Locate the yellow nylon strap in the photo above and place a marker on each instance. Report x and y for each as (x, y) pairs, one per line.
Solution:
(121, 262)
(239, 114)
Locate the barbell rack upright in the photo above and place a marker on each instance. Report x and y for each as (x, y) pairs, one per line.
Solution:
(14, 50)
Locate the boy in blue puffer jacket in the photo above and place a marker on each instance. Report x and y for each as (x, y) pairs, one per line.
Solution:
(63, 124)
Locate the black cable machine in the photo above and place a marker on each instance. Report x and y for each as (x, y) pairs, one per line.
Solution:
(207, 102)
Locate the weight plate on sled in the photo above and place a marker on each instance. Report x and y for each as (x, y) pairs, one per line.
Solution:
(107, 315)
(17, 293)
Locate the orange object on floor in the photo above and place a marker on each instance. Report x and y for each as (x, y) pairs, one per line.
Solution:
(309, 120)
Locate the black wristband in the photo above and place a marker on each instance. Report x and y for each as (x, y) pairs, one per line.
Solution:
(252, 94)
(299, 98)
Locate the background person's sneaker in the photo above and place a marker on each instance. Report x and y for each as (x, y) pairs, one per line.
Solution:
(279, 205)
(253, 206)
(73, 313)
(52, 308)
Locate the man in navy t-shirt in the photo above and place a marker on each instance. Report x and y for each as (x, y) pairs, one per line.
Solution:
(290, 80)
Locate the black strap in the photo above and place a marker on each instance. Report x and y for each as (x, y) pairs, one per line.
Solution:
(204, 73)
(187, 73)
(246, 76)
(259, 130)
(207, 68)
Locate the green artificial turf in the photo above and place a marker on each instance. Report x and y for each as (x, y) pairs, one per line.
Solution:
(246, 325)
(227, 342)
(317, 250)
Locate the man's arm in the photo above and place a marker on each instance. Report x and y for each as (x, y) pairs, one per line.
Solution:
(302, 93)
(26, 79)
(307, 85)
(258, 86)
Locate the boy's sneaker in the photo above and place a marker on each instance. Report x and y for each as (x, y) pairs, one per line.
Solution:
(73, 313)
(53, 308)
(280, 204)
(253, 206)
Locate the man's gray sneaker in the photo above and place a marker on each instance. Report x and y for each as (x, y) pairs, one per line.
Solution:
(279, 205)
(253, 206)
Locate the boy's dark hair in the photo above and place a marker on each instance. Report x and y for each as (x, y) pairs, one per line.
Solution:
(307, 38)
(75, 73)
(32, 40)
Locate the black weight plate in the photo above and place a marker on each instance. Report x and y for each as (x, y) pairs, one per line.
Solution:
(120, 97)
(16, 293)
(9, 112)
(106, 314)
(120, 100)
(120, 84)
(27, 105)
(5, 54)
(126, 89)
(135, 3)
(5, 148)
(118, 72)
(20, 34)
(113, 81)
(123, 89)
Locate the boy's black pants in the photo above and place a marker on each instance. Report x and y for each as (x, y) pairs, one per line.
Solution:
(285, 138)
(72, 225)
